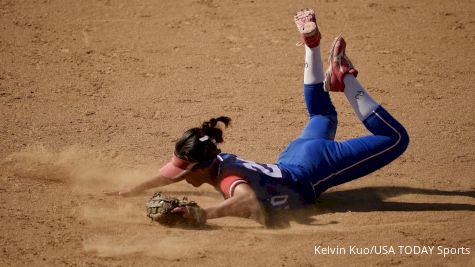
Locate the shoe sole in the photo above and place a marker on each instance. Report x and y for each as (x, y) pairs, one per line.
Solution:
(308, 29)
(304, 17)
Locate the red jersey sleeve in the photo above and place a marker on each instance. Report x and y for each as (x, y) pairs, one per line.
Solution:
(228, 184)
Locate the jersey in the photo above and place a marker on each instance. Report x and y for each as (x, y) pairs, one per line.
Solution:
(271, 183)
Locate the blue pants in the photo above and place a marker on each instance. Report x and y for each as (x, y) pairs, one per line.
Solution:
(314, 157)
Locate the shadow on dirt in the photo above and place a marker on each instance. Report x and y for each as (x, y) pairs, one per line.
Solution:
(368, 199)
(365, 199)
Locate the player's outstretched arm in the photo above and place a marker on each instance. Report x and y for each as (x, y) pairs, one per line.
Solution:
(155, 181)
(243, 203)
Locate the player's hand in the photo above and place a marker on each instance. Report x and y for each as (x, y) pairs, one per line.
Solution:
(183, 211)
(194, 214)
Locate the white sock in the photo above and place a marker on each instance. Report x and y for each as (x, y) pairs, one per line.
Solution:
(313, 72)
(360, 101)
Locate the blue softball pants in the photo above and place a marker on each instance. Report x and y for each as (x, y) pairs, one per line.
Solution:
(316, 158)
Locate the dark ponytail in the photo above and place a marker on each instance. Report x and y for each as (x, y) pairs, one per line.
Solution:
(210, 128)
(200, 144)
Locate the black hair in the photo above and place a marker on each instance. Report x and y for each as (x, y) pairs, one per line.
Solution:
(200, 144)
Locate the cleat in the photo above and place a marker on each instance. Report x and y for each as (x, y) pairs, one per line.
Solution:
(339, 66)
(307, 27)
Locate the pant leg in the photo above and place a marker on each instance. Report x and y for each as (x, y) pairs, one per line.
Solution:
(323, 116)
(354, 158)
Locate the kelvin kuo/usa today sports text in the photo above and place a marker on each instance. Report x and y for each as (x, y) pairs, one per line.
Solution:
(392, 250)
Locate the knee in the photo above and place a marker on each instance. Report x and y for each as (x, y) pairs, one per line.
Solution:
(403, 140)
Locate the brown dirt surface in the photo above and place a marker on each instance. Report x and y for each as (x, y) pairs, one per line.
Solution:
(94, 93)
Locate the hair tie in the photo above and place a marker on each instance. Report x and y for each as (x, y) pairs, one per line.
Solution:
(205, 138)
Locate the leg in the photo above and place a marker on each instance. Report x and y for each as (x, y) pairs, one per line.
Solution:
(361, 102)
(323, 117)
(341, 77)
(358, 157)
(354, 158)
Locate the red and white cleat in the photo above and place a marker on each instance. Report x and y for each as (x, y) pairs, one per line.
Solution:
(340, 65)
(307, 26)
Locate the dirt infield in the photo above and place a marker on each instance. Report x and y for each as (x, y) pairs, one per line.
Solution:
(93, 95)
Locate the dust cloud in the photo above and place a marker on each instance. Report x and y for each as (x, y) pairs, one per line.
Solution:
(77, 166)
(168, 247)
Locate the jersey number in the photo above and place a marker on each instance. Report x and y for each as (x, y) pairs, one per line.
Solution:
(267, 169)
(279, 200)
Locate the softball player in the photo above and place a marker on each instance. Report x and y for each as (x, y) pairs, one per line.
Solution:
(310, 164)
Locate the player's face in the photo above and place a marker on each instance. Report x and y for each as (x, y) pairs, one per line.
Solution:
(200, 174)
(195, 181)
(196, 178)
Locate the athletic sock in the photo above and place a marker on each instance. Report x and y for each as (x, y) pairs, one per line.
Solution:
(362, 103)
(313, 73)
